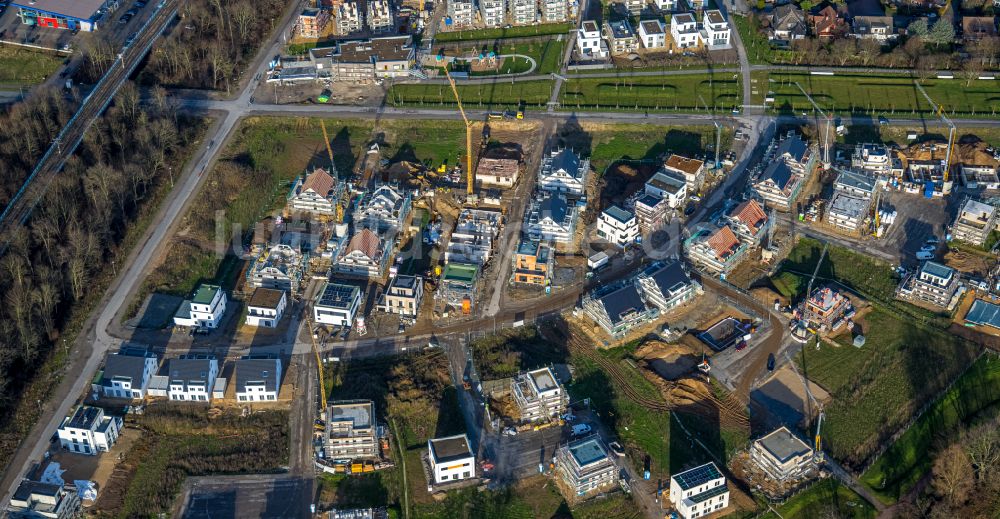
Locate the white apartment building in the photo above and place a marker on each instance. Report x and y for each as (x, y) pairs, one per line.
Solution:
(684, 31)
(620, 36)
(34, 500)
(933, 284)
(589, 44)
(668, 6)
(699, 491)
(349, 17)
(584, 465)
(497, 172)
(554, 11)
(403, 296)
(618, 226)
(666, 285)
(652, 34)
(716, 31)
(382, 210)
(311, 194)
(974, 222)
(564, 172)
(266, 307)
(523, 12)
(538, 395)
(782, 456)
(451, 459)
(205, 309)
(365, 256)
(89, 431)
(635, 7)
(127, 373)
(192, 377)
(258, 379)
(337, 304)
(693, 170)
(350, 430)
(552, 218)
(461, 13)
(875, 158)
(492, 12)
(380, 17)
(668, 186)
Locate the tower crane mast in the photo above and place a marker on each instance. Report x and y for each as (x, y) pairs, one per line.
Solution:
(829, 121)
(469, 172)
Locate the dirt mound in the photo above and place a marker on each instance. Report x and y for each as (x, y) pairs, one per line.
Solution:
(966, 262)
(972, 150)
(694, 395)
(655, 348)
(769, 295)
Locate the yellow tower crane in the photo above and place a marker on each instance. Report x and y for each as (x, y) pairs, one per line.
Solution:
(469, 172)
(319, 362)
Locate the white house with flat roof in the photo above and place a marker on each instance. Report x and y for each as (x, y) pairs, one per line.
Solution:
(783, 456)
(974, 222)
(337, 304)
(589, 44)
(35, 499)
(618, 226)
(266, 307)
(716, 31)
(538, 395)
(684, 31)
(585, 467)
(192, 377)
(403, 296)
(89, 431)
(451, 459)
(699, 491)
(933, 284)
(205, 309)
(652, 34)
(523, 12)
(668, 186)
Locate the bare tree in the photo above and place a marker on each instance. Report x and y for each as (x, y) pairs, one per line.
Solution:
(952, 475)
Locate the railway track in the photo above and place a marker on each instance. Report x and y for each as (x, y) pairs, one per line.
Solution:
(20, 207)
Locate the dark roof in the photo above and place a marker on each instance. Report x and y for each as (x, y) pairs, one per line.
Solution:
(710, 493)
(554, 207)
(337, 295)
(450, 448)
(396, 48)
(254, 372)
(190, 370)
(27, 488)
(619, 214)
(697, 476)
(266, 298)
(649, 200)
(567, 161)
(936, 269)
(622, 302)
(406, 282)
(778, 172)
(84, 418)
(125, 367)
(795, 147)
(588, 450)
(670, 277)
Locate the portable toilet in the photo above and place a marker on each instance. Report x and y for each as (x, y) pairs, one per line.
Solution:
(929, 189)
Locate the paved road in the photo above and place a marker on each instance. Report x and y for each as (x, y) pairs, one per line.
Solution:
(232, 497)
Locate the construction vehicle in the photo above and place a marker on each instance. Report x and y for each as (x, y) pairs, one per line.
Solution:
(469, 172)
(520, 110)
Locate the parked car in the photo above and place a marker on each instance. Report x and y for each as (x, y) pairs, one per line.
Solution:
(928, 248)
(883, 120)
(581, 429)
(509, 431)
(568, 417)
(617, 449)
(924, 255)
(770, 362)
(933, 240)
(125, 18)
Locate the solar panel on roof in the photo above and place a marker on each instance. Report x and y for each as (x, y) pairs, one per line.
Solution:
(697, 476)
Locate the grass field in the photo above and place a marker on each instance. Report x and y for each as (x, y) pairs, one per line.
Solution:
(974, 398)
(885, 94)
(825, 498)
(638, 141)
(512, 32)
(547, 55)
(906, 360)
(494, 96)
(695, 92)
(25, 67)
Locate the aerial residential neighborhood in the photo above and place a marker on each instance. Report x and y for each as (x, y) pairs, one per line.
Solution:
(554, 259)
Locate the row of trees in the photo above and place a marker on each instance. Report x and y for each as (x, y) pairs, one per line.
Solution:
(50, 268)
(212, 43)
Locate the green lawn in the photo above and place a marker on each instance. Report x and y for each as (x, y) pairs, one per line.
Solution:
(884, 94)
(494, 96)
(22, 66)
(973, 399)
(512, 32)
(876, 389)
(758, 49)
(547, 54)
(647, 141)
(825, 498)
(692, 92)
